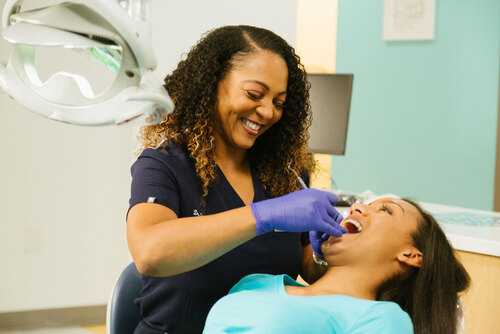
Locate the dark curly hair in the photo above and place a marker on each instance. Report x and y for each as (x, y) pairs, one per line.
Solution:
(193, 87)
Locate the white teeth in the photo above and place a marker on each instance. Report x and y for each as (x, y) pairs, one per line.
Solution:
(353, 222)
(251, 125)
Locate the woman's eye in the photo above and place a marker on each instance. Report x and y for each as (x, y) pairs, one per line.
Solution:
(386, 209)
(279, 105)
(254, 95)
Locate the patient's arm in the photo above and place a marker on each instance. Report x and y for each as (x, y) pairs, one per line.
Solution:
(311, 271)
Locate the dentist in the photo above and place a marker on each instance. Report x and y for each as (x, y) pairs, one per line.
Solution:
(211, 187)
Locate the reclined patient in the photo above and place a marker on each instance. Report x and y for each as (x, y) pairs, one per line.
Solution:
(394, 272)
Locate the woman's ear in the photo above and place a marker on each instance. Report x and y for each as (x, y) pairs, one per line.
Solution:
(411, 257)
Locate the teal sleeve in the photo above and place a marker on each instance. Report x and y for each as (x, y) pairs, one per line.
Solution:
(383, 318)
(251, 282)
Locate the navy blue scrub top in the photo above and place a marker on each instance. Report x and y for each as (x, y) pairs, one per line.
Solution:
(180, 303)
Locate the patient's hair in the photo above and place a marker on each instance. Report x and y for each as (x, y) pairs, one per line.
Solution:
(429, 294)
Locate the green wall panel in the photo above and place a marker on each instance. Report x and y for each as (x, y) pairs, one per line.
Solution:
(424, 113)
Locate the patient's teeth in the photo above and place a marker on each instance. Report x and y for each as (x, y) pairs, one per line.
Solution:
(353, 222)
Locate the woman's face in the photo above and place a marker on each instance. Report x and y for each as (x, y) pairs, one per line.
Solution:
(250, 99)
(378, 233)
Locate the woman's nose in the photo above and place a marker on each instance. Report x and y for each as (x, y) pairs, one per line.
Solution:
(359, 208)
(266, 111)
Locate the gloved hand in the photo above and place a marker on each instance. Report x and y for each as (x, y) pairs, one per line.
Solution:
(300, 211)
(317, 238)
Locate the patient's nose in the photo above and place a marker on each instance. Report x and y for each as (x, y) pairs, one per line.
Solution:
(359, 208)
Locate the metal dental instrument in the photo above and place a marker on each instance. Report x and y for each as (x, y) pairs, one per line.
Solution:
(304, 186)
(302, 183)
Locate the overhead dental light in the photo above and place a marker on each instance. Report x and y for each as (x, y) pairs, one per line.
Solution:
(115, 33)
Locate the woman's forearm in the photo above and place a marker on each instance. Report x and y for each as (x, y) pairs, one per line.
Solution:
(178, 245)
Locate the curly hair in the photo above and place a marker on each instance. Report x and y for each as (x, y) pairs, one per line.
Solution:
(193, 87)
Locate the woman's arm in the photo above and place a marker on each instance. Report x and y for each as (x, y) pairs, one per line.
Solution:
(311, 271)
(162, 244)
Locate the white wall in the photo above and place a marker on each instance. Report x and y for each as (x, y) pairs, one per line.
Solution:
(64, 189)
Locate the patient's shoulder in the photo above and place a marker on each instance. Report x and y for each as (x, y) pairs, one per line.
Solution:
(383, 317)
(255, 282)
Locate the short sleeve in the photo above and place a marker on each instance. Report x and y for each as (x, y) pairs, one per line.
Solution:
(252, 282)
(153, 181)
(383, 318)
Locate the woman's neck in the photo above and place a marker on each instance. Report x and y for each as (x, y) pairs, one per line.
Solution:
(349, 281)
(230, 157)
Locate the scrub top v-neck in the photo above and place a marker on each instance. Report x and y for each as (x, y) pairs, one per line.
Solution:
(180, 303)
(228, 188)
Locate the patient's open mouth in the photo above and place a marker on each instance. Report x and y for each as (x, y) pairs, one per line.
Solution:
(352, 226)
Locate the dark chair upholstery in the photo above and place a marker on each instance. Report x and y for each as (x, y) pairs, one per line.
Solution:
(122, 314)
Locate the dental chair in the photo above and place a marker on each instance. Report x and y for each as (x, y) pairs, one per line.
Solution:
(122, 315)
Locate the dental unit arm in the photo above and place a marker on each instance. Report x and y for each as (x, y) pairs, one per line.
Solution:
(105, 30)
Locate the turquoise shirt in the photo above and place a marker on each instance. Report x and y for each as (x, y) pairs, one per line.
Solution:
(258, 303)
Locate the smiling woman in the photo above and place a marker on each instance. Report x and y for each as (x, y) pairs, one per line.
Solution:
(257, 78)
(395, 272)
(215, 179)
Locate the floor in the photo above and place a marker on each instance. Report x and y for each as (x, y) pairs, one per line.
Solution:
(97, 329)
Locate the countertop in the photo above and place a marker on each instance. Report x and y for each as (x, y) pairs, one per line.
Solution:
(477, 232)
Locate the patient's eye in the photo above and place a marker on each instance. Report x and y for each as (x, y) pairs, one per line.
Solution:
(386, 208)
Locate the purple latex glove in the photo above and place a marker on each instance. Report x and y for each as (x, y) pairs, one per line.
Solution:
(300, 211)
(318, 237)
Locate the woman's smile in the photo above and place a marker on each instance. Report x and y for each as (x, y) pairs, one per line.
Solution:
(251, 127)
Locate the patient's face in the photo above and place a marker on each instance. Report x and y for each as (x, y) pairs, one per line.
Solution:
(385, 225)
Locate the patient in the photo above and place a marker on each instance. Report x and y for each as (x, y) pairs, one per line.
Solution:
(394, 272)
